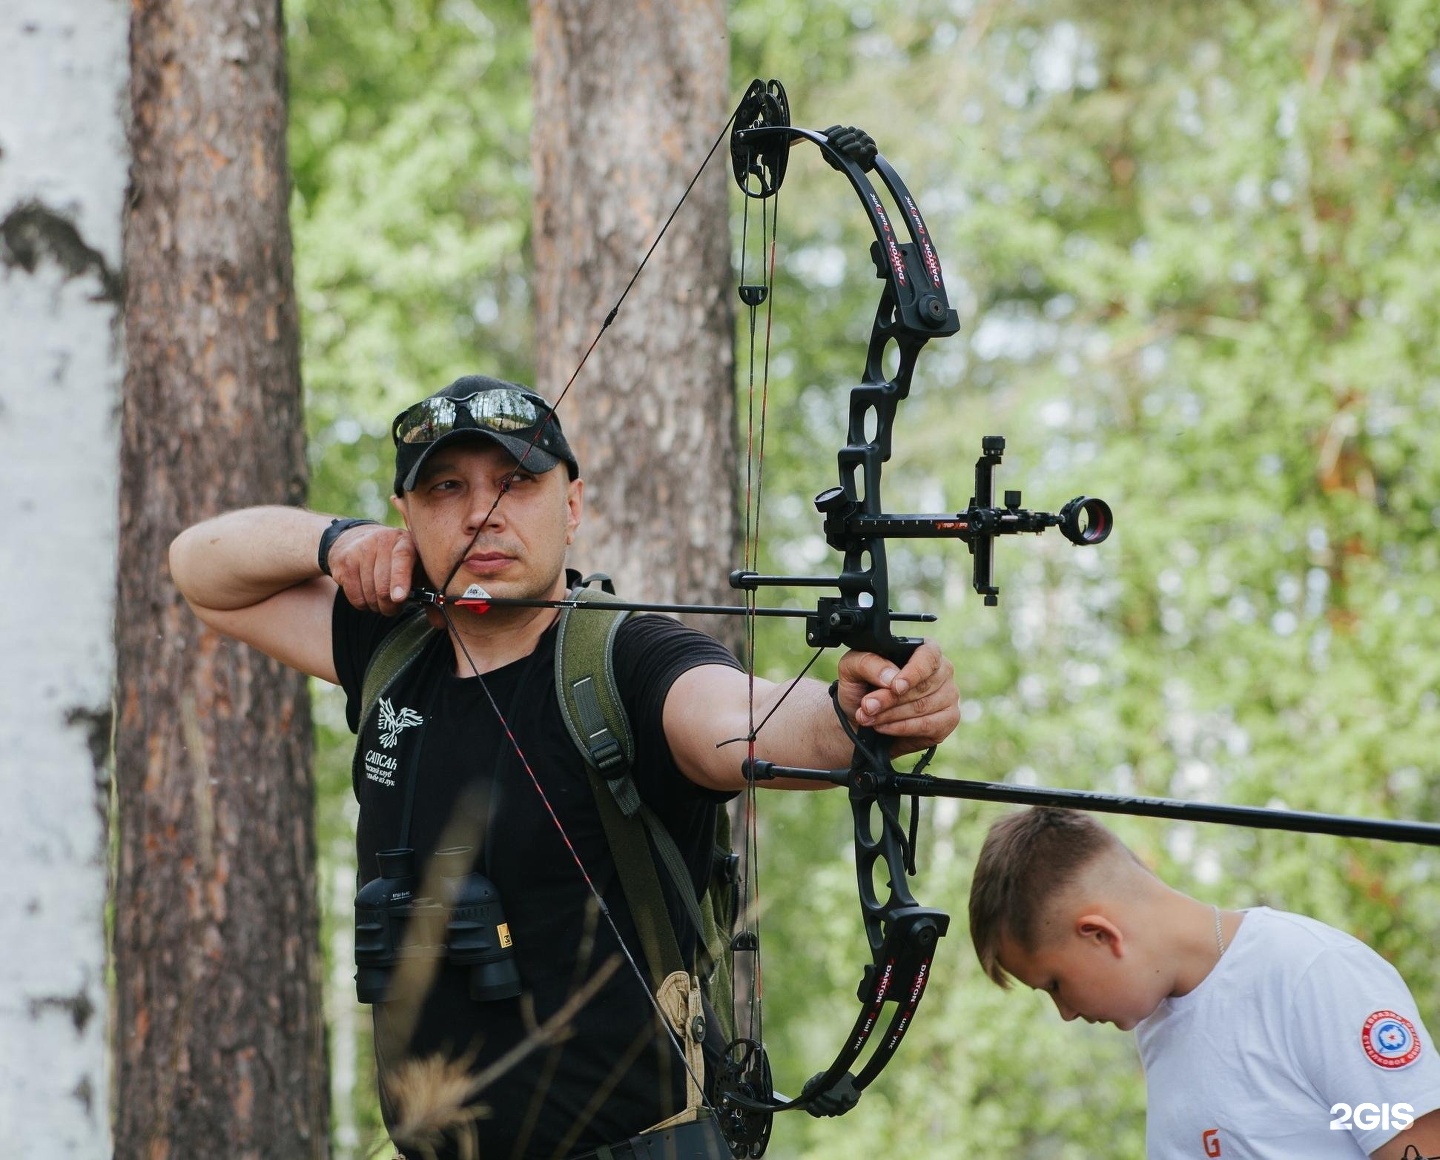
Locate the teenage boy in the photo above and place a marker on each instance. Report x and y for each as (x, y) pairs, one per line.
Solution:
(1263, 1034)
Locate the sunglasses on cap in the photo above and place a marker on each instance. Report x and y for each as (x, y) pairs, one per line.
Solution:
(500, 410)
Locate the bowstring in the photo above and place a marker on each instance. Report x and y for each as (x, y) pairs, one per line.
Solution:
(594, 342)
(754, 488)
(755, 452)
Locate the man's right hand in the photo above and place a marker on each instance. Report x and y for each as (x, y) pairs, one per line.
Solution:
(375, 566)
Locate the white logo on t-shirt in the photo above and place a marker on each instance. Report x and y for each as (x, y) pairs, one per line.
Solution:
(393, 723)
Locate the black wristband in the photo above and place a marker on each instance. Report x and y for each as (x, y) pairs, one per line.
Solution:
(337, 528)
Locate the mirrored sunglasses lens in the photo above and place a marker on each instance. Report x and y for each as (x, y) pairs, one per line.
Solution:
(503, 410)
(427, 421)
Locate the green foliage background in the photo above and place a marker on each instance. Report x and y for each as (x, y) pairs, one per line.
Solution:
(1194, 248)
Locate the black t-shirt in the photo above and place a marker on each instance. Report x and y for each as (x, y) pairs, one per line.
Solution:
(616, 1074)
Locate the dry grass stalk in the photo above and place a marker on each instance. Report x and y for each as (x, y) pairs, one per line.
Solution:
(432, 1094)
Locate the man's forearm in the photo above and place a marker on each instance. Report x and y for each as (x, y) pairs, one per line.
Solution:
(243, 557)
(708, 715)
(804, 730)
(913, 707)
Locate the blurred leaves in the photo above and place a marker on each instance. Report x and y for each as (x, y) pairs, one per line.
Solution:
(409, 139)
(1194, 247)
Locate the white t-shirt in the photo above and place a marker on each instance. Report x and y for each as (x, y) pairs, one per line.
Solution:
(1296, 1019)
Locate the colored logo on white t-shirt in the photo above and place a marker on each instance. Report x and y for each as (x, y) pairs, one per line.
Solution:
(1390, 1040)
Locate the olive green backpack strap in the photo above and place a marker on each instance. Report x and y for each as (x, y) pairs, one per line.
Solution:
(401, 646)
(595, 717)
(589, 699)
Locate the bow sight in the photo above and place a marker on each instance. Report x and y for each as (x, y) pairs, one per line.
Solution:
(851, 529)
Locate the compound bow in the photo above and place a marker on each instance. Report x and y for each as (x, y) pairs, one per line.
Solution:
(913, 309)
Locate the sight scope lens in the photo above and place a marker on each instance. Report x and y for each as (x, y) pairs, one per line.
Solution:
(1086, 521)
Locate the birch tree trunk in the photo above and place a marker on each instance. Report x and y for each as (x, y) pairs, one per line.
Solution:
(627, 99)
(220, 1030)
(62, 190)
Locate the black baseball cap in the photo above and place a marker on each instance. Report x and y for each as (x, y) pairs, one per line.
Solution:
(479, 407)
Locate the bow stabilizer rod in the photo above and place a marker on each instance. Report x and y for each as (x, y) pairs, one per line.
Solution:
(1177, 809)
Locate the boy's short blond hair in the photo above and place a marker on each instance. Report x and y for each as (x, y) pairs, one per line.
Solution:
(1027, 859)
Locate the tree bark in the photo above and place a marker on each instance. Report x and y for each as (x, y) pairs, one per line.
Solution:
(220, 1045)
(627, 99)
(62, 196)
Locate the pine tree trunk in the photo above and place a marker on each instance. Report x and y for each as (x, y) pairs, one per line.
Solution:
(220, 1029)
(62, 197)
(628, 97)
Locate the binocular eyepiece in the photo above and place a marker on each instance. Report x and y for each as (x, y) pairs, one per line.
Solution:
(466, 926)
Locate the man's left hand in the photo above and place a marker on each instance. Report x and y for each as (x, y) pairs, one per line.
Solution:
(917, 704)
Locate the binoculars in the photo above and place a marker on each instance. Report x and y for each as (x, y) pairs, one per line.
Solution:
(466, 926)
